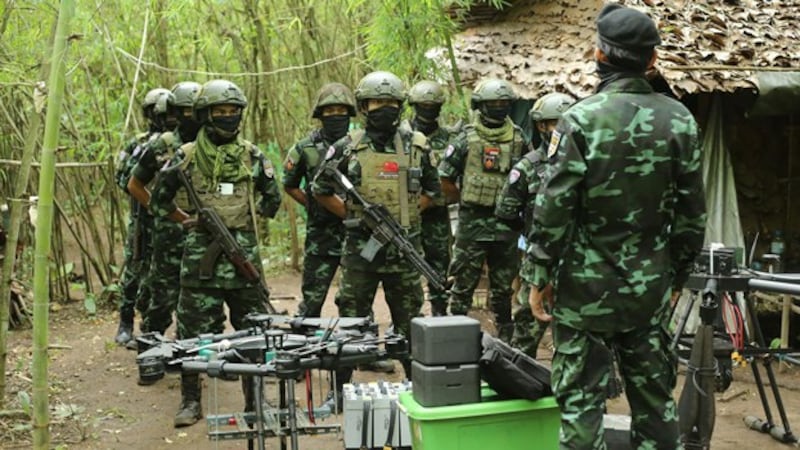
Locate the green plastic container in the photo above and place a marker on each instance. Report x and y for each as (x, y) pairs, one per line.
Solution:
(490, 424)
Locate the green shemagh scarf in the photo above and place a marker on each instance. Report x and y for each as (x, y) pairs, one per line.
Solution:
(220, 163)
(503, 133)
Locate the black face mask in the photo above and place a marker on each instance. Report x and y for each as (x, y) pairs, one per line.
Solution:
(335, 127)
(170, 122)
(226, 126)
(494, 116)
(383, 118)
(427, 114)
(188, 129)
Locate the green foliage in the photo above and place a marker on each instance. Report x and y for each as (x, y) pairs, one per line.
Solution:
(280, 52)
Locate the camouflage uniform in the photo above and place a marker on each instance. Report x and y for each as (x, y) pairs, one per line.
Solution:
(200, 304)
(481, 158)
(324, 230)
(436, 227)
(620, 219)
(163, 276)
(135, 293)
(373, 170)
(227, 176)
(516, 202)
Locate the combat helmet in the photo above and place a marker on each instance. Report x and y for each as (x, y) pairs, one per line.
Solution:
(150, 100)
(217, 92)
(551, 106)
(380, 85)
(184, 94)
(493, 89)
(426, 92)
(334, 94)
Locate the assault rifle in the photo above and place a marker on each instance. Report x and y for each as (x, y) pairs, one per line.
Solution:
(224, 242)
(385, 229)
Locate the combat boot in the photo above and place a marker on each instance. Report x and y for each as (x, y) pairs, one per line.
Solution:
(190, 411)
(124, 331)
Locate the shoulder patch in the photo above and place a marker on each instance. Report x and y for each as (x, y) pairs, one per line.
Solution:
(555, 139)
(513, 176)
(330, 153)
(449, 151)
(269, 171)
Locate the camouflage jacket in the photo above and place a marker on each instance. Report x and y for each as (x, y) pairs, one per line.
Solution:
(344, 155)
(622, 211)
(197, 240)
(476, 222)
(129, 156)
(324, 230)
(517, 199)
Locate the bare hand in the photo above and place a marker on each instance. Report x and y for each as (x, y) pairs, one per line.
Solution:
(536, 301)
(673, 300)
(189, 223)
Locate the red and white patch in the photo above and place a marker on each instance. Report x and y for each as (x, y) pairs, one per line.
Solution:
(555, 139)
(513, 176)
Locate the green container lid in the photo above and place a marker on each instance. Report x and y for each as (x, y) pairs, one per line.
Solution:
(490, 404)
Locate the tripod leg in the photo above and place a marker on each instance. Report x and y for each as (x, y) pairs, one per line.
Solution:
(682, 321)
(784, 434)
(258, 386)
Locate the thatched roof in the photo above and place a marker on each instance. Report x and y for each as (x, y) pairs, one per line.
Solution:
(708, 45)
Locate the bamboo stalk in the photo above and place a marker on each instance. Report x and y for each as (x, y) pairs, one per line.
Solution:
(41, 416)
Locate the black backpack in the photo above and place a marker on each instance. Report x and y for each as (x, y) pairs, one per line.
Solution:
(511, 373)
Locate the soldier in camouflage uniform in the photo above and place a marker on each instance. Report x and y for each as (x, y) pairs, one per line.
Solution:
(391, 166)
(334, 107)
(516, 203)
(481, 158)
(167, 239)
(136, 251)
(618, 223)
(427, 98)
(228, 173)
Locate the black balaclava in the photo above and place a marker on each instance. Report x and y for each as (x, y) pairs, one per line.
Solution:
(223, 130)
(426, 118)
(382, 123)
(495, 116)
(335, 127)
(188, 128)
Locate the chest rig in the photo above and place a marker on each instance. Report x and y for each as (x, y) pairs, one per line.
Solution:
(391, 179)
(487, 166)
(232, 202)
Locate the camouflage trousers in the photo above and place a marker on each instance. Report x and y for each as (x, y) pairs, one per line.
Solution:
(436, 242)
(528, 331)
(466, 268)
(318, 273)
(402, 290)
(200, 310)
(581, 372)
(164, 277)
(135, 294)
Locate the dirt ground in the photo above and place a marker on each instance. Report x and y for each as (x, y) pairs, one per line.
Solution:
(97, 404)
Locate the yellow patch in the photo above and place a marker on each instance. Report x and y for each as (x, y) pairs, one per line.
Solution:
(555, 139)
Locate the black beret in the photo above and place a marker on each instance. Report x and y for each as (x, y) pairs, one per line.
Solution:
(626, 28)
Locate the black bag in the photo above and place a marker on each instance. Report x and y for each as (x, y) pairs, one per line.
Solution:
(511, 373)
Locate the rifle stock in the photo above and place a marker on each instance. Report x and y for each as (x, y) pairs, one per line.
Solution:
(211, 222)
(385, 229)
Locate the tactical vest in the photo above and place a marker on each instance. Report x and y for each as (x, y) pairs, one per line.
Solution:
(232, 206)
(487, 167)
(391, 179)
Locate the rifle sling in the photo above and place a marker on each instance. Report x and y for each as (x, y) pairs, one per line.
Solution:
(405, 221)
(209, 260)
